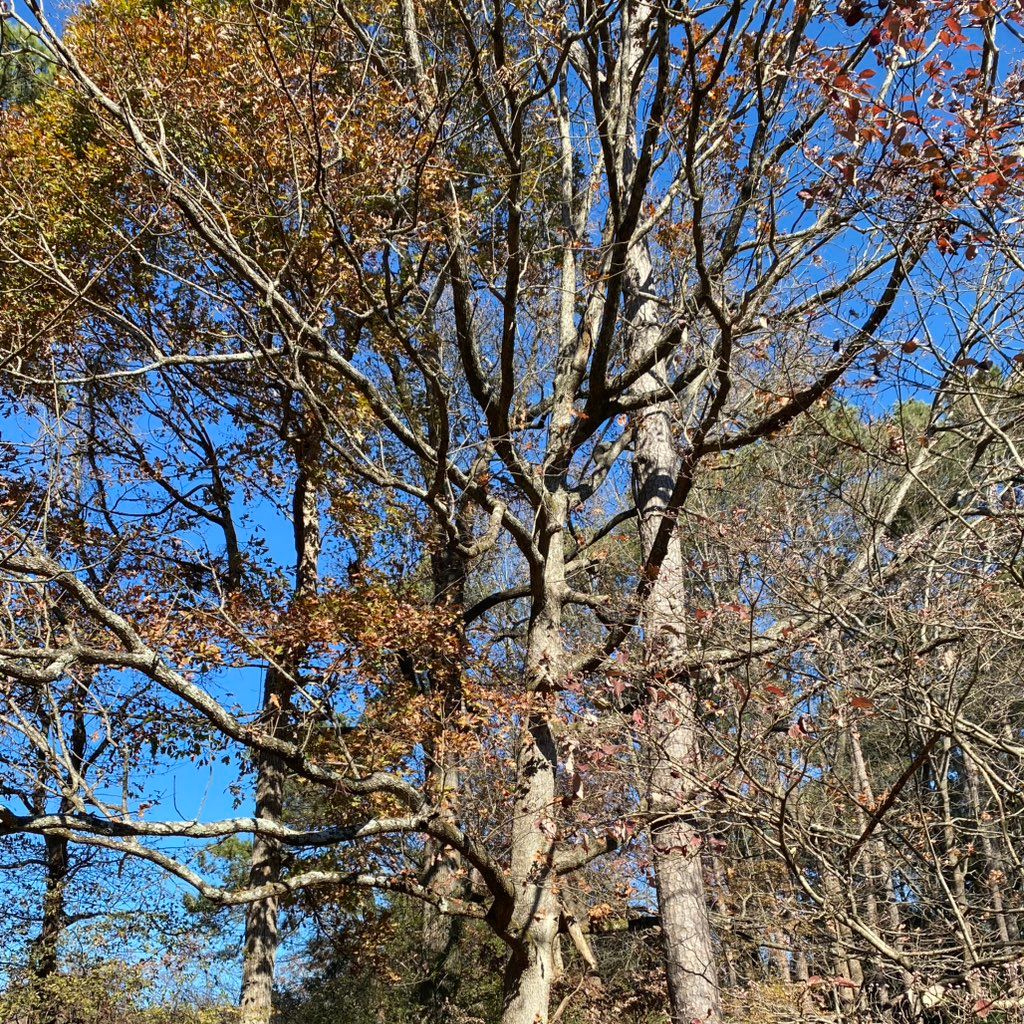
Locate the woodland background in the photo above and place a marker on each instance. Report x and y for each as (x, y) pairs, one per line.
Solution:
(511, 512)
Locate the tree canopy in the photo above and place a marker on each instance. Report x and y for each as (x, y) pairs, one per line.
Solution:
(556, 468)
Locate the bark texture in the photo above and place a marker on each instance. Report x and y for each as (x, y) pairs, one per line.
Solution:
(672, 753)
(533, 930)
(261, 919)
(443, 872)
(672, 744)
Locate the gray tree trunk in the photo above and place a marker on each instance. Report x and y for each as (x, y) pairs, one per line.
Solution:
(530, 971)
(672, 746)
(995, 872)
(55, 857)
(533, 929)
(672, 742)
(671, 733)
(261, 919)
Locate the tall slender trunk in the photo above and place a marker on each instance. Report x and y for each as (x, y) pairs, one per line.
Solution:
(953, 866)
(441, 931)
(995, 873)
(690, 962)
(847, 964)
(533, 929)
(676, 842)
(673, 753)
(878, 865)
(261, 920)
(845, 961)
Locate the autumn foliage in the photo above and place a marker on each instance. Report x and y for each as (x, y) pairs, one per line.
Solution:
(515, 509)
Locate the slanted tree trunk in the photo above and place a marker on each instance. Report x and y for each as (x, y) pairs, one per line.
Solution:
(261, 919)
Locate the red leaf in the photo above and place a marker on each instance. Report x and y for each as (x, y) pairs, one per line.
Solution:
(863, 703)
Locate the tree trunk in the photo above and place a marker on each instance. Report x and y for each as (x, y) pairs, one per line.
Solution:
(953, 866)
(673, 755)
(44, 959)
(878, 864)
(533, 930)
(671, 735)
(261, 919)
(54, 918)
(441, 931)
(530, 971)
(995, 871)
(441, 934)
(56, 860)
(845, 962)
